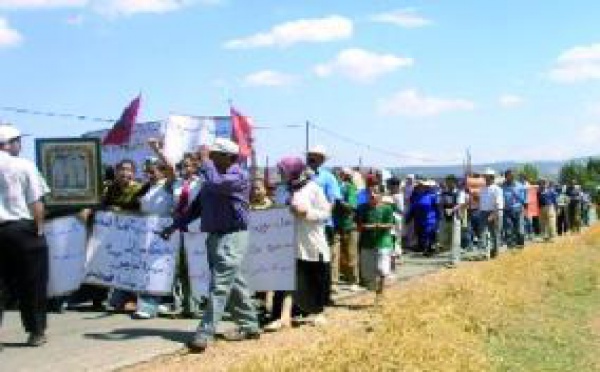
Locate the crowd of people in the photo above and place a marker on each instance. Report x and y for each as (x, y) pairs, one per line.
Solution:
(352, 227)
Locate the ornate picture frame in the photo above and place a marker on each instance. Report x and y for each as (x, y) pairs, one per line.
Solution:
(72, 167)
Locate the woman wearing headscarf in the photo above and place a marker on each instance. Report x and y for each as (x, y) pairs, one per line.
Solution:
(309, 205)
(424, 211)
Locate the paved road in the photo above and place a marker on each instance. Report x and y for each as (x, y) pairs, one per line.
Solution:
(94, 341)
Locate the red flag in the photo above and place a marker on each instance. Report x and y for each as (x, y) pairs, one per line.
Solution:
(121, 131)
(242, 132)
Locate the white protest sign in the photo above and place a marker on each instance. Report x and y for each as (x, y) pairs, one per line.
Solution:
(125, 252)
(137, 149)
(270, 264)
(183, 134)
(66, 238)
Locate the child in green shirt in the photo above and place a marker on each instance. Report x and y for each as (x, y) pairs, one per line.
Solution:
(375, 221)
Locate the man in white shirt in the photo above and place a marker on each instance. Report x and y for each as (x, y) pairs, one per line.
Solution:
(23, 249)
(491, 205)
(454, 204)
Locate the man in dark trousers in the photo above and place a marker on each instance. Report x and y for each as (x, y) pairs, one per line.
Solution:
(223, 208)
(23, 249)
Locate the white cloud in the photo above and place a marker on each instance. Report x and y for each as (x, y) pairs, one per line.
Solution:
(362, 65)
(411, 103)
(577, 64)
(510, 100)
(37, 4)
(316, 30)
(112, 8)
(407, 18)
(109, 8)
(268, 78)
(8, 36)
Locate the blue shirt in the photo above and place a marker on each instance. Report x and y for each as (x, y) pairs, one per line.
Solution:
(330, 186)
(222, 203)
(515, 195)
(424, 209)
(547, 197)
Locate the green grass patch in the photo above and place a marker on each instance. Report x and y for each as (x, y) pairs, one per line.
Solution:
(556, 335)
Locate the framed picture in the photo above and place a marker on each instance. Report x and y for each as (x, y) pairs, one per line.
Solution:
(72, 169)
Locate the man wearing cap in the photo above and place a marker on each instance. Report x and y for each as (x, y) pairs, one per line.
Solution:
(223, 207)
(23, 248)
(491, 205)
(315, 158)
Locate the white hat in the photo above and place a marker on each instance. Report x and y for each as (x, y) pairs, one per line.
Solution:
(347, 170)
(225, 146)
(318, 149)
(489, 172)
(8, 133)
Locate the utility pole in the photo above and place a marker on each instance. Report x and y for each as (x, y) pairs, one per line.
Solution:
(307, 144)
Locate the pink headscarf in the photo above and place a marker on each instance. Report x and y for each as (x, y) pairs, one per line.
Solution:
(292, 167)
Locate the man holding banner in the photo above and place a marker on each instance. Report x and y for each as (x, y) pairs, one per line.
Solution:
(223, 208)
(23, 248)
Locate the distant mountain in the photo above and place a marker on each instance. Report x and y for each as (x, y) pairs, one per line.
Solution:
(547, 168)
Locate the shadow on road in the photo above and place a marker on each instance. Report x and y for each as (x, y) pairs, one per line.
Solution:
(136, 333)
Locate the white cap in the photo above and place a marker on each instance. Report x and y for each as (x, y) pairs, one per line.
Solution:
(347, 170)
(318, 149)
(489, 172)
(225, 146)
(8, 133)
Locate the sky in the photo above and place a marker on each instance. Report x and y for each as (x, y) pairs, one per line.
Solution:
(388, 83)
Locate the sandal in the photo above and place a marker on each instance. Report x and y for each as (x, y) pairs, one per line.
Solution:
(276, 325)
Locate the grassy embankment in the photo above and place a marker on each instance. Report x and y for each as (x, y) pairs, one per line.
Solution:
(531, 310)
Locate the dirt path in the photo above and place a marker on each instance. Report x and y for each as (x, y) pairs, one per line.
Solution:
(350, 315)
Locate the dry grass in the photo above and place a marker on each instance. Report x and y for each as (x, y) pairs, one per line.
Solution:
(447, 321)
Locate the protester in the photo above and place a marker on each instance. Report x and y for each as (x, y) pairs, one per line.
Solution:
(547, 198)
(186, 184)
(375, 223)
(562, 212)
(408, 234)
(424, 212)
(155, 198)
(344, 222)
(315, 158)
(122, 193)
(397, 202)
(259, 200)
(23, 249)
(454, 205)
(574, 207)
(515, 200)
(491, 205)
(312, 210)
(223, 208)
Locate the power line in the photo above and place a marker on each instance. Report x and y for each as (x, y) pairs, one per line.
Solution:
(369, 147)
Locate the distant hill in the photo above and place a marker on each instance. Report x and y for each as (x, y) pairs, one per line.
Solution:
(547, 168)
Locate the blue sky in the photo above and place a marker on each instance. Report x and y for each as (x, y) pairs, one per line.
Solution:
(512, 80)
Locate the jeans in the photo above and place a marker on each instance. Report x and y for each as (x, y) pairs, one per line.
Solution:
(494, 229)
(226, 253)
(514, 227)
(451, 237)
